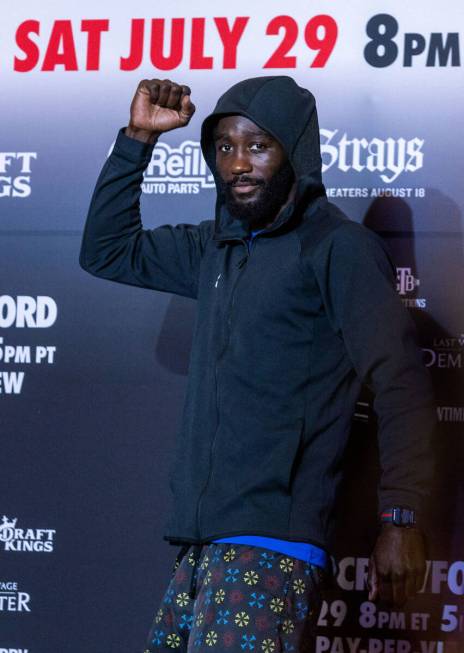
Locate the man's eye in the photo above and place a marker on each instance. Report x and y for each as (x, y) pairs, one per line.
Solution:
(258, 146)
(224, 145)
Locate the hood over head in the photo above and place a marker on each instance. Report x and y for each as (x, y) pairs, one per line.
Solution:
(288, 112)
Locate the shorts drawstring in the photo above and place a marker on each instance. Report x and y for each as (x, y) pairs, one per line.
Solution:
(193, 579)
(180, 555)
(195, 556)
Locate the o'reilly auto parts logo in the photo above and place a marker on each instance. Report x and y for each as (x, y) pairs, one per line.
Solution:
(36, 540)
(177, 170)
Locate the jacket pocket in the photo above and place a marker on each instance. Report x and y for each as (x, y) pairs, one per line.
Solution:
(267, 465)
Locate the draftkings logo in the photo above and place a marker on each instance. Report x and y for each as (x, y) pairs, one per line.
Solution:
(36, 540)
(407, 284)
(12, 599)
(15, 173)
(446, 352)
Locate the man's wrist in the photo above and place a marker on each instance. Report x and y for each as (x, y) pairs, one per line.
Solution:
(142, 135)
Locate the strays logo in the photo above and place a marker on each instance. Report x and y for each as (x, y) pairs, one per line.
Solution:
(37, 540)
(388, 157)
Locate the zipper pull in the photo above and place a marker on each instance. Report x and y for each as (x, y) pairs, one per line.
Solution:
(242, 261)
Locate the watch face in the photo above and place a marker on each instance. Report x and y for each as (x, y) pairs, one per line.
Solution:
(403, 516)
(399, 516)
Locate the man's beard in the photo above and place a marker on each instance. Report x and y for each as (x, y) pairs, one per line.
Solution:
(272, 195)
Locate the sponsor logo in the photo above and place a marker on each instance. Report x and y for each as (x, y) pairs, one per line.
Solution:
(176, 170)
(406, 284)
(12, 599)
(453, 414)
(14, 650)
(179, 169)
(446, 352)
(388, 157)
(37, 540)
(15, 173)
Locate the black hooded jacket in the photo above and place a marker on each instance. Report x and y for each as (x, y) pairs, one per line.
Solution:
(284, 336)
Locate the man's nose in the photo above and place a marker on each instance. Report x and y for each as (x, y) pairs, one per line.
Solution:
(240, 163)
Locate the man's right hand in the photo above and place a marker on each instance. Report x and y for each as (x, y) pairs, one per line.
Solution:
(158, 106)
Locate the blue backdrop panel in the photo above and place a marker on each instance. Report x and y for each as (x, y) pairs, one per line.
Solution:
(93, 374)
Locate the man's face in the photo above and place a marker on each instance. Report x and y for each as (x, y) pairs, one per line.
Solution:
(255, 174)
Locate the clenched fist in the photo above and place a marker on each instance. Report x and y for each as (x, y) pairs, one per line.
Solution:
(397, 565)
(158, 106)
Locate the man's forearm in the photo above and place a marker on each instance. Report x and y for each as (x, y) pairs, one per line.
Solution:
(113, 218)
(115, 245)
(357, 278)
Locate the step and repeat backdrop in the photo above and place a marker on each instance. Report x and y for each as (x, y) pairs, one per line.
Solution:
(93, 374)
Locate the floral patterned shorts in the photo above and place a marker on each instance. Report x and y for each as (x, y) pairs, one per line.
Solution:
(246, 598)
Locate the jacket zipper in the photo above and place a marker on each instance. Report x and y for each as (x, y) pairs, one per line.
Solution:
(241, 265)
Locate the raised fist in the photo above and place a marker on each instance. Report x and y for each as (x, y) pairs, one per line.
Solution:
(158, 106)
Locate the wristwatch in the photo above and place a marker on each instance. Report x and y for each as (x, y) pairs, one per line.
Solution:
(399, 516)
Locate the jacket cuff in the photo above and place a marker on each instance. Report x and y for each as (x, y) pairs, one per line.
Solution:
(132, 149)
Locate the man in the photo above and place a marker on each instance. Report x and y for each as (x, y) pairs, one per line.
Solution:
(296, 307)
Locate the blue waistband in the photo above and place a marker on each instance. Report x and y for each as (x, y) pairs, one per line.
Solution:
(301, 550)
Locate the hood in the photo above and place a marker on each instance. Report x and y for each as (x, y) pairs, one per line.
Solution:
(288, 112)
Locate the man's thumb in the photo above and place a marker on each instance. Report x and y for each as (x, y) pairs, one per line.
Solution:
(187, 108)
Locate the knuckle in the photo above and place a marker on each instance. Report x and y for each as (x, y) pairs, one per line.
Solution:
(383, 572)
(398, 574)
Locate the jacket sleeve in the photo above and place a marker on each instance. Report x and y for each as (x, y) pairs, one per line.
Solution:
(115, 246)
(358, 282)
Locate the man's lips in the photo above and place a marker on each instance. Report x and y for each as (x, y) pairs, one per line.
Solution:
(242, 188)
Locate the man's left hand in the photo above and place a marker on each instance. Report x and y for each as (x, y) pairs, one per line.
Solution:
(397, 565)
